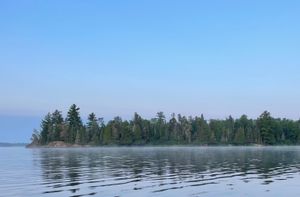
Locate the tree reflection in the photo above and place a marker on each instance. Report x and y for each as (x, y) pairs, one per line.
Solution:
(99, 167)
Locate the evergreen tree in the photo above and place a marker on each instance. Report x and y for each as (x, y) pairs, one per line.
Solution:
(173, 129)
(137, 129)
(161, 126)
(74, 124)
(57, 126)
(117, 129)
(186, 128)
(127, 134)
(265, 122)
(45, 129)
(202, 130)
(93, 130)
(107, 139)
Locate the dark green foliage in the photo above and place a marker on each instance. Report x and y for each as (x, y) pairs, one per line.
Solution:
(265, 124)
(137, 129)
(46, 129)
(181, 130)
(75, 131)
(127, 134)
(93, 129)
(107, 135)
(173, 130)
(201, 130)
(57, 125)
(239, 136)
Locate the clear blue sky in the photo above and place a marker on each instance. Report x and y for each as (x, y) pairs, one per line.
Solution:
(216, 57)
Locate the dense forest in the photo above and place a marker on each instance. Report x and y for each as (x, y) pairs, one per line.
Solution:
(179, 129)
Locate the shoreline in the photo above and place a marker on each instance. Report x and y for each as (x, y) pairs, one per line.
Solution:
(60, 144)
(57, 144)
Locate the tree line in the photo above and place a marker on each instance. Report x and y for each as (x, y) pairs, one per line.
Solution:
(179, 129)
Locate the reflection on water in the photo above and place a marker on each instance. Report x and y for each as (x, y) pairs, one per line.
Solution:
(146, 171)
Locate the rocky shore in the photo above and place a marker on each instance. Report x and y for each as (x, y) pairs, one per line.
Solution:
(55, 144)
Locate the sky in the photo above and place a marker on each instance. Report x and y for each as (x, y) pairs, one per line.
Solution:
(114, 58)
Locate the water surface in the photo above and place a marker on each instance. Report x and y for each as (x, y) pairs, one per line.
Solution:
(150, 171)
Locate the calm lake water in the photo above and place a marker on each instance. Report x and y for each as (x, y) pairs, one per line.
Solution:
(150, 171)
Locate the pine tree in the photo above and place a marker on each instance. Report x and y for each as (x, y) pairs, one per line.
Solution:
(265, 122)
(45, 129)
(57, 122)
(107, 139)
(93, 130)
(137, 129)
(74, 124)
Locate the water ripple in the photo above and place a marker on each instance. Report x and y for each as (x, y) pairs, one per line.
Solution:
(179, 171)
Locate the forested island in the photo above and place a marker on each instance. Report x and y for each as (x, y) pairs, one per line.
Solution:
(178, 130)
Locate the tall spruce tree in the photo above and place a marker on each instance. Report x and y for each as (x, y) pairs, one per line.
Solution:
(137, 129)
(264, 123)
(93, 130)
(45, 129)
(74, 124)
(57, 122)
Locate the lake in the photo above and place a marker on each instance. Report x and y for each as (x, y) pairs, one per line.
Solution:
(150, 171)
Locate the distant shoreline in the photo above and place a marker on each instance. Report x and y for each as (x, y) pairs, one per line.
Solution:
(7, 144)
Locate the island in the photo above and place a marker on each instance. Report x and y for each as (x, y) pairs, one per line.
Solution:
(57, 131)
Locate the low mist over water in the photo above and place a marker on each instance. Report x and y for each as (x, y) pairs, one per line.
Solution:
(150, 171)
